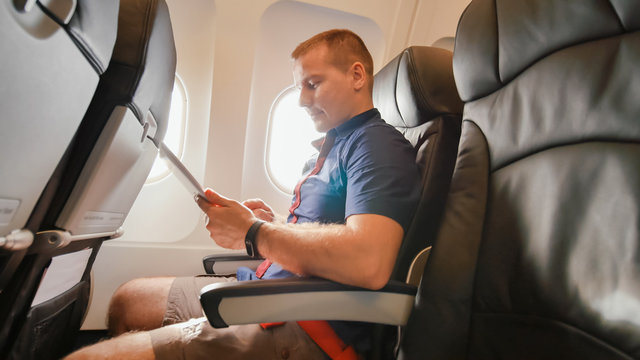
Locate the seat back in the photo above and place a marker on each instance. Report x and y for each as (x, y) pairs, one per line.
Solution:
(415, 92)
(53, 54)
(52, 59)
(537, 254)
(116, 143)
(99, 179)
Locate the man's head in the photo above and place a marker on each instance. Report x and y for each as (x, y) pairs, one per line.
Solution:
(334, 72)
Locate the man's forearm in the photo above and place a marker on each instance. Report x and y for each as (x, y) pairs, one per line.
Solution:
(358, 253)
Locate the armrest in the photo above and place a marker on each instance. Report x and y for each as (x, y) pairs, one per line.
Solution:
(250, 302)
(228, 263)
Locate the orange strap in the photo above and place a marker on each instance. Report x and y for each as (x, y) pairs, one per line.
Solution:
(323, 334)
(264, 266)
(271, 324)
(325, 337)
(319, 331)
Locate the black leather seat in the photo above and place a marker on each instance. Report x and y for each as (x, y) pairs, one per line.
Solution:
(94, 187)
(416, 93)
(537, 257)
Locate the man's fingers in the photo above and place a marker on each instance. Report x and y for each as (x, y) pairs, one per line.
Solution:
(263, 215)
(215, 198)
(203, 203)
(256, 204)
(212, 199)
(253, 203)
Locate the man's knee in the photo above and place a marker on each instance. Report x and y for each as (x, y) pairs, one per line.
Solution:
(139, 304)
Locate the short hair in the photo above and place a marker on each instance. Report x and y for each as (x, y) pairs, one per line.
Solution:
(346, 48)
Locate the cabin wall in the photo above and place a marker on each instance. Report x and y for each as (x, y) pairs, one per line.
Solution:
(233, 58)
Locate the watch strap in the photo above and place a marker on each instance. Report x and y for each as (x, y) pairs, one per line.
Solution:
(250, 239)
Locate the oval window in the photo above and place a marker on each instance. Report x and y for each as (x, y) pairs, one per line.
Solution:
(174, 137)
(289, 140)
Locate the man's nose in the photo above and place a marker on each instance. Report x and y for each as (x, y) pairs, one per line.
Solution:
(304, 100)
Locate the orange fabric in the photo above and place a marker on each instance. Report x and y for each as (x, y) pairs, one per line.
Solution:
(323, 334)
(325, 337)
(271, 324)
(264, 266)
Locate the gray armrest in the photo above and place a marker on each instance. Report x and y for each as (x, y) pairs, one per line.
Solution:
(228, 263)
(250, 302)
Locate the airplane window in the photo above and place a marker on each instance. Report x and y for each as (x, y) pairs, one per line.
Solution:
(174, 138)
(289, 140)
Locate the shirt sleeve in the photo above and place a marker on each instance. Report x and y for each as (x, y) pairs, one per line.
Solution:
(382, 176)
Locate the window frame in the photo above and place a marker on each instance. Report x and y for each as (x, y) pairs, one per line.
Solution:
(165, 171)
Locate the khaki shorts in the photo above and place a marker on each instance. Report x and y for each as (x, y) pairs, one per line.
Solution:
(186, 334)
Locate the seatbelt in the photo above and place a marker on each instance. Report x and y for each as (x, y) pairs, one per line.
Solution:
(326, 338)
(319, 331)
(327, 143)
(264, 266)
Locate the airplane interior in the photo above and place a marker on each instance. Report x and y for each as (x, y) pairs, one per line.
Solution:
(524, 117)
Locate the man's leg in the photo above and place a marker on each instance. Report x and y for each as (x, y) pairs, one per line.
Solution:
(195, 338)
(135, 345)
(139, 304)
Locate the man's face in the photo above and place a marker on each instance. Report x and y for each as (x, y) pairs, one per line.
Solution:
(326, 92)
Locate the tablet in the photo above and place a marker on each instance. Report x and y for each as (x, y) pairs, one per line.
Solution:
(181, 172)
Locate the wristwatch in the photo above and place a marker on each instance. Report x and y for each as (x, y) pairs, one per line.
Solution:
(250, 239)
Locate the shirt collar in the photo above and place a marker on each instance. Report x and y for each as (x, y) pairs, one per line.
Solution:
(349, 126)
(355, 122)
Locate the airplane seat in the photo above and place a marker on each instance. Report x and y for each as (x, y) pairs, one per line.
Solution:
(415, 92)
(446, 42)
(537, 256)
(50, 69)
(53, 55)
(103, 172)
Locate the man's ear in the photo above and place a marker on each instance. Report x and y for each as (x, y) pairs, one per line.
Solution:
(358, 75)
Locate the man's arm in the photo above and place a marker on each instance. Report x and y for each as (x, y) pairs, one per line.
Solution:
(361, 252)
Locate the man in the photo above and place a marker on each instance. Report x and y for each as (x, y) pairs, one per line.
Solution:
(346, 223)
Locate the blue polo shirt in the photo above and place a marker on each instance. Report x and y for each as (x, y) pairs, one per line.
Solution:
(370, 169)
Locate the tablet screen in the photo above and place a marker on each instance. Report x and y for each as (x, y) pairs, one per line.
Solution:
(181, 172)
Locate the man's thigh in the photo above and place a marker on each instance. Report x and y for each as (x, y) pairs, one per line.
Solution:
(196, 339)
(183, 302)
(189, 335)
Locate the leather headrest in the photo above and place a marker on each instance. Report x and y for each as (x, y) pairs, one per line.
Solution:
(416, 87)
(146, 46)
(498, 39)
(94, 26)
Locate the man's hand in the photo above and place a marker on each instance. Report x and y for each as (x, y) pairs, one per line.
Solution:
(260, 209)
(229, 220)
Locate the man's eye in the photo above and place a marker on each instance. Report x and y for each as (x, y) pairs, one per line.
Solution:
(311, 85)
